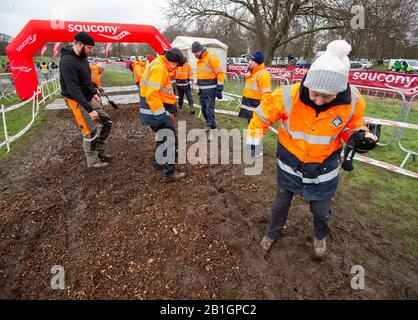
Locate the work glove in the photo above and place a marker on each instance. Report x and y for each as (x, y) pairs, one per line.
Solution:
(360, 141)
(218, 93)
(363, 140)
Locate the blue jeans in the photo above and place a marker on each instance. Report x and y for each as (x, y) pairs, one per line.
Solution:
(280, 209)
(208, 110)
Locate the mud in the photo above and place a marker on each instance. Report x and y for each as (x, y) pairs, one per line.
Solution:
(122, 233)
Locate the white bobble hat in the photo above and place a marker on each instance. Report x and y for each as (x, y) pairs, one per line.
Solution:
(329, 73)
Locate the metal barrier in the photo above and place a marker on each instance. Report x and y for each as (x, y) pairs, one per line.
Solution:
(231, 76)
(277, 81)
(409, 152)
(7, 87)
(384, 92)
(42, 89)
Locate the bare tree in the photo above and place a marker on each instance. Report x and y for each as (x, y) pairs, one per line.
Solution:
(270, 23)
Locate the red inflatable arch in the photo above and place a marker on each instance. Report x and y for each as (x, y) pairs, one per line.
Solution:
(37, 32)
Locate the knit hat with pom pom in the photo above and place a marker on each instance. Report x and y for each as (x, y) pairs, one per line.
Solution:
(329, 73)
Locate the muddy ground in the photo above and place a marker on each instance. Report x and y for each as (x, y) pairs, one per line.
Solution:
(112, 230)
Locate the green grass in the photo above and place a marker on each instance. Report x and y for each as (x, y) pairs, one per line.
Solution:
(115, 78)
(17, 119)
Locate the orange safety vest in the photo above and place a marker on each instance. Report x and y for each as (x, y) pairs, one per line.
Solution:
(138, 69)
(309, 144)
(184, 72)
(156, 93)
(209, 73)
(257, 87)
(96, 72)
(309, 137)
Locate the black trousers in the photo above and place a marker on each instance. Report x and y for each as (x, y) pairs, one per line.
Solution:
(188, 92)
(280, 209)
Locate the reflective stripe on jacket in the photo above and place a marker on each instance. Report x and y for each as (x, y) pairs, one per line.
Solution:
(309, 144)
(257, 87)
(157, 95)
(138, 68)
(209, 74)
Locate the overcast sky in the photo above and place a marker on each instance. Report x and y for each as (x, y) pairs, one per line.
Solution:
(14, 14)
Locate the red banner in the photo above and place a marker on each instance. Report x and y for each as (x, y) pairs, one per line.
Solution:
(44, 48)
(405, 83)
(108, 45)
(56, 49)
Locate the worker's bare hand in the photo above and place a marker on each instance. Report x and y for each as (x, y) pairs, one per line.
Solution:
(94, 115)
(97, 99)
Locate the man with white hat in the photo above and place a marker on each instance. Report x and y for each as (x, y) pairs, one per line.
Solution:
(317, 115)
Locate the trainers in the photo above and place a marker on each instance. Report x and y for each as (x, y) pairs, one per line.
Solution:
(320, 247)
(266, 244)
(175, 176)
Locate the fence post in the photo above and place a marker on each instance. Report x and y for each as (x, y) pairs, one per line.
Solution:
(3, 116)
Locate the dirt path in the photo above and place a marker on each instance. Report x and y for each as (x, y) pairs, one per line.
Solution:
(112, 230)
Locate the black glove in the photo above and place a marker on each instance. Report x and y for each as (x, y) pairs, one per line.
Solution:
(218, 93)
(363, 141)
(360, 141)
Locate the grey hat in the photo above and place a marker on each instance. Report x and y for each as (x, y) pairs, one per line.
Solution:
(196, 47)
(329, 73)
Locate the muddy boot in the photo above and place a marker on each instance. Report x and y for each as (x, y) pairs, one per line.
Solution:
(103, 155)
(93, 161)
(175, 176)
(156, 165)
(320, 247)
(266, 244)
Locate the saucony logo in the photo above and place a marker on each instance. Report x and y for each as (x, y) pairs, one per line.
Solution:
(117, 37)
(93, 28)
(29, 40)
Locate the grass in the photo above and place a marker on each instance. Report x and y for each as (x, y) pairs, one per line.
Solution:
(115, 78)
(17, 119)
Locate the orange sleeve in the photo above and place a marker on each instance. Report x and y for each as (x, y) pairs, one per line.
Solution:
(270, 110)
(216, 67)
(152, 88)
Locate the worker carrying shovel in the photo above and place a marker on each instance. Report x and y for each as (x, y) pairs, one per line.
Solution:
(316, 116)
(81, 96)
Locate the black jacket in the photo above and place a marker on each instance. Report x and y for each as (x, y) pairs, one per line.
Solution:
(75, 78)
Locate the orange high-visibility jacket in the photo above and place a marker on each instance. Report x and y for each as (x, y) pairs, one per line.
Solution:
(138, 68)
(184, 72)
(96, 72)
(157, 95)
(209, 73)
(309, 137)
(257, 87)
(310, 144)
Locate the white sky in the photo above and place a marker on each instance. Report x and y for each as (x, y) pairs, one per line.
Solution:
(15, 14)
